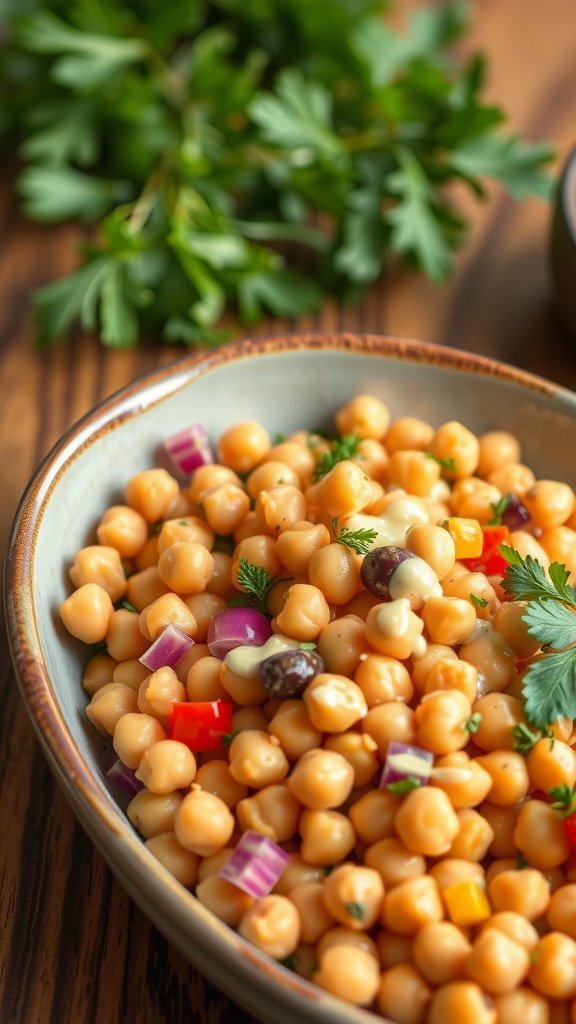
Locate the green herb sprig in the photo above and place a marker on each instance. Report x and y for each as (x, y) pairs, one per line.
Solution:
(360, 541)
(245, 156)
(255, 581)
(341, 448)
(550, 681)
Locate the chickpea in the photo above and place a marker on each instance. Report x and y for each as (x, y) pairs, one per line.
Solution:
(292, 726)
(249, 718)
(360, 750)
(514, 477)
(559, 543)
(272, 924)
(273, 811)
(214, 777)
(130, 673)
(551, 763)
(433, 544)
(186, 567)
(393, 629)
(497, 962)
(334, 702)
(525, 892)
(500, 714)
(383, 679)
(474, 837)
(108, 705)
(493, 659)
(522, 1005)
(497, 448)
(408, 432)
(541, 836)
(561, 914)
(387, 722)
(453, 674)
(159, 691)
(187, 529)
(461, 1001)
(453, 441)
(153, 813)
(344, 491)
(315, 918)
(327, 836)
(179, 862)
(97, 673)
(451, 871)
(413, 471)
(203, 680)
(553, 969)
(372, 457)
(123, 528)
(224, 899)
(502, 821)
(335, 570)
(101, 565)
(549, 503)
(257, 759)
(363, 415)
(526, 544)
(280, 507)
(242, 446)
(133, 735)
(423, 665)
(166, 766)
(246, 690)
(441, 721)
(426, 821)
(515, 926)
(440, 952)
(350, 973)
(304, 614)
(321, 779)
(203, 823)
(296, 457)
(470, 585)
(123, 637)
(143, 588)
(220, 583)
(86, 613)
(165, 611)
(341, 644)
(510, 781)
(261, 551)
(225, 507)
(449, 620)
(412, 904)
(373, 815)
(509, 624)
(298, 872)
(151, 493)
(393, 861)
(404, 995)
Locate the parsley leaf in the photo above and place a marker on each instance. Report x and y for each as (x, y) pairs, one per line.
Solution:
(345, 447)
(449, 464)
(356, 910)
(526, 580)
(359, 540)
(403, 786)
(498, 508)
(255, 582)
(564, 799)
(238, 159)
(472, 724)
(550, 688)
(479, 602)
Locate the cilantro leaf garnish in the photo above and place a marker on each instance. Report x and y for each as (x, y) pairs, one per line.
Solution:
(472, 724)
(525, 738)
(402, 786)
(356, 910)
(255, 582)
(479, 602)
(550, 681)
(341, 448)
(359, 540)
(498, 509)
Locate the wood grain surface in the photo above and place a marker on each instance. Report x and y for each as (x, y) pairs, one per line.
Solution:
(73, 948)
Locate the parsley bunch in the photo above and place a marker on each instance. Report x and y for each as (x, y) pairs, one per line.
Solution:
(250, 155)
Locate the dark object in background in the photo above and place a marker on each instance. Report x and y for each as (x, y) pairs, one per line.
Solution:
(563, 247)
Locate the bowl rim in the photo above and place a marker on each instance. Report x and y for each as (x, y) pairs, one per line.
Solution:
(98, 813)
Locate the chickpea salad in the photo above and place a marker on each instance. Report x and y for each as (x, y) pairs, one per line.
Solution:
(338, 674)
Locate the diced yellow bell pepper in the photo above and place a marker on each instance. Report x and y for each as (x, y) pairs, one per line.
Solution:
(467, 903)
(467, 536)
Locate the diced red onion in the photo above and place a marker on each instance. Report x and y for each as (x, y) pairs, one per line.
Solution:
(234, 627)
(168, 649)
(124, 778)
(391, 772)
(515, 515)
(189, 449)
(255, 865)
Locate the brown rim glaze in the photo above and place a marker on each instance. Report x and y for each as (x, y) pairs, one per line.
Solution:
(89, 798)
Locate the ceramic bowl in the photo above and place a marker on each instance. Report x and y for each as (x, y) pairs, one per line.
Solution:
(287, 383)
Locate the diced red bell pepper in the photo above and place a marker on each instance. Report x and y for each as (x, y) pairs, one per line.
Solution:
(491, 561)
(200, 724)
(570, 828)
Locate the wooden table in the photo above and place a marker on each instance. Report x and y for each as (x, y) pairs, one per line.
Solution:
(73, 948)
